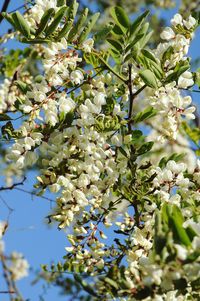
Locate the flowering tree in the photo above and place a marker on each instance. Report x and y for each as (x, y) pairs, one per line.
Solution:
(114, 136)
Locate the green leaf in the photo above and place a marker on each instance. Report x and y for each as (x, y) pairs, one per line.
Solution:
(123, 152)
(92, 59)
(56, 21)
(149, 55)
(146, 114)
(175, 157)
(79, 25)
(85, 286)
(197, 77)
(197, 152)
(7, 130)
(136, 134)
(177, 221)
(66, 28)
(176, 74)
(39, 78)
(144, 28)
(167, 54)
(71, 14)
(9, 18)
(160, 239)
(44, 20)
(35, 41)
(22, 86)
(21, 24)
(193, 133)
(115, 44)
(156, 69)
(111, 282)
(146, 147)
(44, 267)
(72, 10)
(120, 17)
(117, 31)
(4, 117)
(191, 233)
(104, 32)
(61, 2)
(87, 29)
(182, 69)
(145, 39)
(165, 214)
(132, 44)
(149, 78)
(136, 25)
(115, 55)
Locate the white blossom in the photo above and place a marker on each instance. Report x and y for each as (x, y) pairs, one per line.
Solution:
(167, 34)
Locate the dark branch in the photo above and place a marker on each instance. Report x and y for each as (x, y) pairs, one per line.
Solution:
(4, 9)
(13, 185)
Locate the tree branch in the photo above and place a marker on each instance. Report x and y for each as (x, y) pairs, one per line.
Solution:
(13, 185)
(4, 9)
(11, 290)
(132, 95)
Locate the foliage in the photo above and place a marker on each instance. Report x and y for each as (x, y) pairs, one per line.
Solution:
(79, 113)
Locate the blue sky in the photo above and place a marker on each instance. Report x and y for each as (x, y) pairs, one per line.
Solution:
(28, 232)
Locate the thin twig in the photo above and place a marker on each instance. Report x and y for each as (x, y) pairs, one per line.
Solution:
(7, 206)
(195, 91)
(6, 277)
(32, 193)
(20, 7)
(13, 185)
(131, 97)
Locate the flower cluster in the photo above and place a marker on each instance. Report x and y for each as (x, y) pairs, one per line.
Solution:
(14, 265)
(80, 129)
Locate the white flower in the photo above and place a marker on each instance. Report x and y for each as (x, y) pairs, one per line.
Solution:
(185, 80)
(88, 45)
(116, 140)
(189, 113)
(83, 180)
(66, 104)
(190, 23)
(176, 168)
(29, 143)
(20, 163)
(99, 99)
(167, 34)
(167, 176)
(181, 252)
(19, 266)
(196, 243)
(69, 249)
(175, 199)
(177, 20)
(54, 188)
(76, 77)
(193, 225)
(26, 108)
(31, 158)
(80, 198)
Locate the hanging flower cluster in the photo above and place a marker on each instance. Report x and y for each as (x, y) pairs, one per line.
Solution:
(14, 266)
(81, 129)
